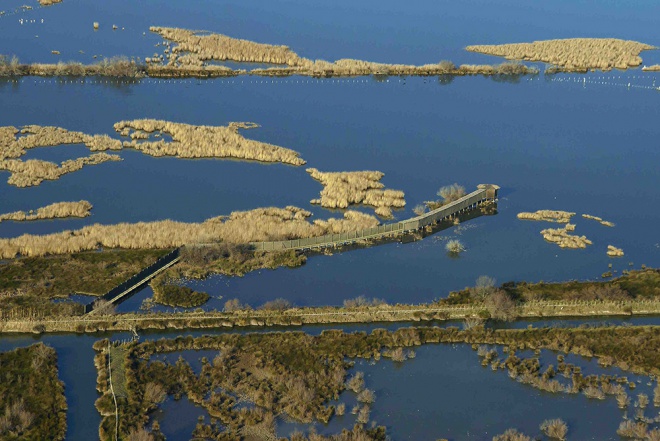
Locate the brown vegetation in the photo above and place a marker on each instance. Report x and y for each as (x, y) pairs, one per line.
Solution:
(341, 189)
(49, 2)
(613, 251)
(34, 171)
(193, 49)
(598, 219)
(58, 210)
(653, 68)
(190, 141)
(561, 217)
(448, 193)
(561, 237)
(261, 224)
(573, 54)
(32, 396)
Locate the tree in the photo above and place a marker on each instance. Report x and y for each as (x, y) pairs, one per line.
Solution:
(501, 306)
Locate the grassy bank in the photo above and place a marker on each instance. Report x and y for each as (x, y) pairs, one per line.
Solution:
(32, 395)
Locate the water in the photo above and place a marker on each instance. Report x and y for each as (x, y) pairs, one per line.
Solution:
(576, 143)
(76, 366)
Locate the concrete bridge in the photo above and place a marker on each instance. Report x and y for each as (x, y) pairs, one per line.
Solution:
(484, 193)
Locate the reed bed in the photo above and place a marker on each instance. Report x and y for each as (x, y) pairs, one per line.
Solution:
(49, 2)
(561, 237)
(613, 251)
(341, 189)
(15, 142)
(190, 141)
(194, 48)
(653, 68)
(58, 210)
(262, 224)
(34, 171)
(573, 54)
(599, 220)
(220, 47)
(558, 216)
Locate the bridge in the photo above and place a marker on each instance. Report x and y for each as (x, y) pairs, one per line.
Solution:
(134, 284)
(484, 193)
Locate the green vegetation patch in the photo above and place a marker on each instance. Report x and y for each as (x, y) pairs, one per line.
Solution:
(635, 285)
(175, 295)
(32, 396)
(26, 282)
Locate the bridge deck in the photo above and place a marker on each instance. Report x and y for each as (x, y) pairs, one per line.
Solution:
(484, 193)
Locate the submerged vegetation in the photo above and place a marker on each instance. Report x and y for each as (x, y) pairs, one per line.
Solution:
(573, 54)
(341, 189)
(58, 210)
(32, 396)
(261, 224)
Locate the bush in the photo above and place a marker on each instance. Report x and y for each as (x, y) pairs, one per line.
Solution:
(500, 306)
(235, 305)
(483, 288)
(451, 193)
(555, 429)
(362, 301)
(276, 305)
(455, 247)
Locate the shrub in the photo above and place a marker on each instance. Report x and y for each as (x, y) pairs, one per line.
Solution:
(630, 429)
(362, 301)
(500, 306)
(511, 435)
(232, 305)
(452, 192)
(555, 429)
(366, 396)
(483, 287)
(419, 209)
(454, 247)
(276, 305)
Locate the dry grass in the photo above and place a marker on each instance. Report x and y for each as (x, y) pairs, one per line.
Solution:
(33, 136)
(598, 219)
(34, 171)
(58, 210)
(49, 2)
(262, 224)
(613, 251)
(654, 68)
(190, 141)
(558, 216)
(454, 247)
(194, 48)
(573, 54)
(561, 237)
(341, 189)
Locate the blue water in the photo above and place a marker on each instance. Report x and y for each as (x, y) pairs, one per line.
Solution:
(578, 143)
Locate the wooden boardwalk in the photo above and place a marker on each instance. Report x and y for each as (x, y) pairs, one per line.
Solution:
(484, 193)
(124, 290)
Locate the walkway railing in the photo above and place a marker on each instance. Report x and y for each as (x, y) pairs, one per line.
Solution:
(482, 194)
